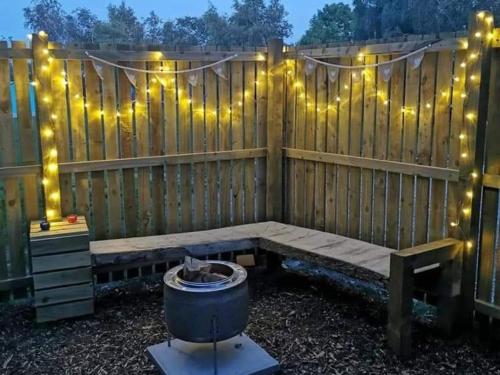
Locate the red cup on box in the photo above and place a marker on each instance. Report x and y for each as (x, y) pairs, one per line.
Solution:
(72, 219)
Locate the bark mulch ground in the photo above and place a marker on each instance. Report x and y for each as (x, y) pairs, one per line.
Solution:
(311, 328)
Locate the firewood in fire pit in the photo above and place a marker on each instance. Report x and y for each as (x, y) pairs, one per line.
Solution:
(198, 271)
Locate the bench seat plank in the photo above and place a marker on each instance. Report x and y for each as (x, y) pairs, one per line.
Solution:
(284, 239)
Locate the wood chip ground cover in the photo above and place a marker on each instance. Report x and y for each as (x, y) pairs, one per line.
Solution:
(311, 328)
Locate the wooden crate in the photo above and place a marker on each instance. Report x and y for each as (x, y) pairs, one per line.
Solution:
(62, 271)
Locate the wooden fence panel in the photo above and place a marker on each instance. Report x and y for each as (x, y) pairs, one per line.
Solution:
(408, 118)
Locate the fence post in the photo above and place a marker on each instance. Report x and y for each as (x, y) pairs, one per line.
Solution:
(472, 146)
(274, 185)
(42, 81)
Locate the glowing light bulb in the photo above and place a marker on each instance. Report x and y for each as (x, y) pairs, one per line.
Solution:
(474, 175)
(463, 64)
(461, 136)
(470, 116)
(45, 181)
(101, 113)
(464, 155)
(386, 102)
(148, 91)
(478, 35)
(52, 167)
(34, 83)
(46, 99)
(463, 95)
(346, 87)
(240, 103)
(466, 211)
(118, 114)
(48, 132)
(51, 213)
(42, 34)
(338, 99)
(53, 116)
(428, 105)
(453, 224)
(55, 196)
(469, 194)
(45, 68)
(480, 15)
(473, 56)
(53, 153)
(489, 20)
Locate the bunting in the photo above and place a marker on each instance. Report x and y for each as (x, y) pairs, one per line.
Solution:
(132, 77)
(333, 74)
(99, 69)
(220, 70)
(386, 71)
(193, 78)
(416, 60)
(310, 67)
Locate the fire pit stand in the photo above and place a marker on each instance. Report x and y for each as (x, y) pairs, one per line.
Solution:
(205, 326)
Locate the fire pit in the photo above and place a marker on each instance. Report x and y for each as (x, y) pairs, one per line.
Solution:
(206, 309)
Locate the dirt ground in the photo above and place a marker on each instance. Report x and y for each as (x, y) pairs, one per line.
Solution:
(310, 327)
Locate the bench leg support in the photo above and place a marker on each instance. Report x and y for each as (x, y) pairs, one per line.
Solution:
(401, 285)
(449, 296)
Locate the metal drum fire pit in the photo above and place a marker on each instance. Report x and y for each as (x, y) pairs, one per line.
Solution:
(206, 312)
(205, 320)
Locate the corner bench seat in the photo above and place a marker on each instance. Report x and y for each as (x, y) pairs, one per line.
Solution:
(397, 268)
(285, 239)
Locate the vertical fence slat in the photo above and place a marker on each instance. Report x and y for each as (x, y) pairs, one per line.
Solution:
(343, 148)
(381, 151)
(249, 135)
(96, 147)
(111, 134)
(367, 149)
(426, 120)
(237, 133)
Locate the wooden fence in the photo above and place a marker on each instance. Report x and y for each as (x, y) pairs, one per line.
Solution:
(160, 157)
(392, 161)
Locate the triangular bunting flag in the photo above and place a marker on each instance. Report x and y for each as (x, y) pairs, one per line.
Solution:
(333, 73)
(310, 67)
(386, 71)
(99, 69)
(220, 70)
(193, 78)
(131, 76)
(416, 59)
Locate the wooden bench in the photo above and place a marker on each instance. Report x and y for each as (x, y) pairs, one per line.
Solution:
(325, 249)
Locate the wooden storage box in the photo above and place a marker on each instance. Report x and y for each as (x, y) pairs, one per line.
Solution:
(62, 270)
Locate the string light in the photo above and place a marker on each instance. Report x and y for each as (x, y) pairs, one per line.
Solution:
(462, 136)
(470, 116)
(52, 167)
(53, 116)
(45, 181)
(478, 35)
(470, 194)
(53, 153)
(55, 196)
(453, 224)
(48, 132)
(51, 213)
(469, 245)
(42, 34)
